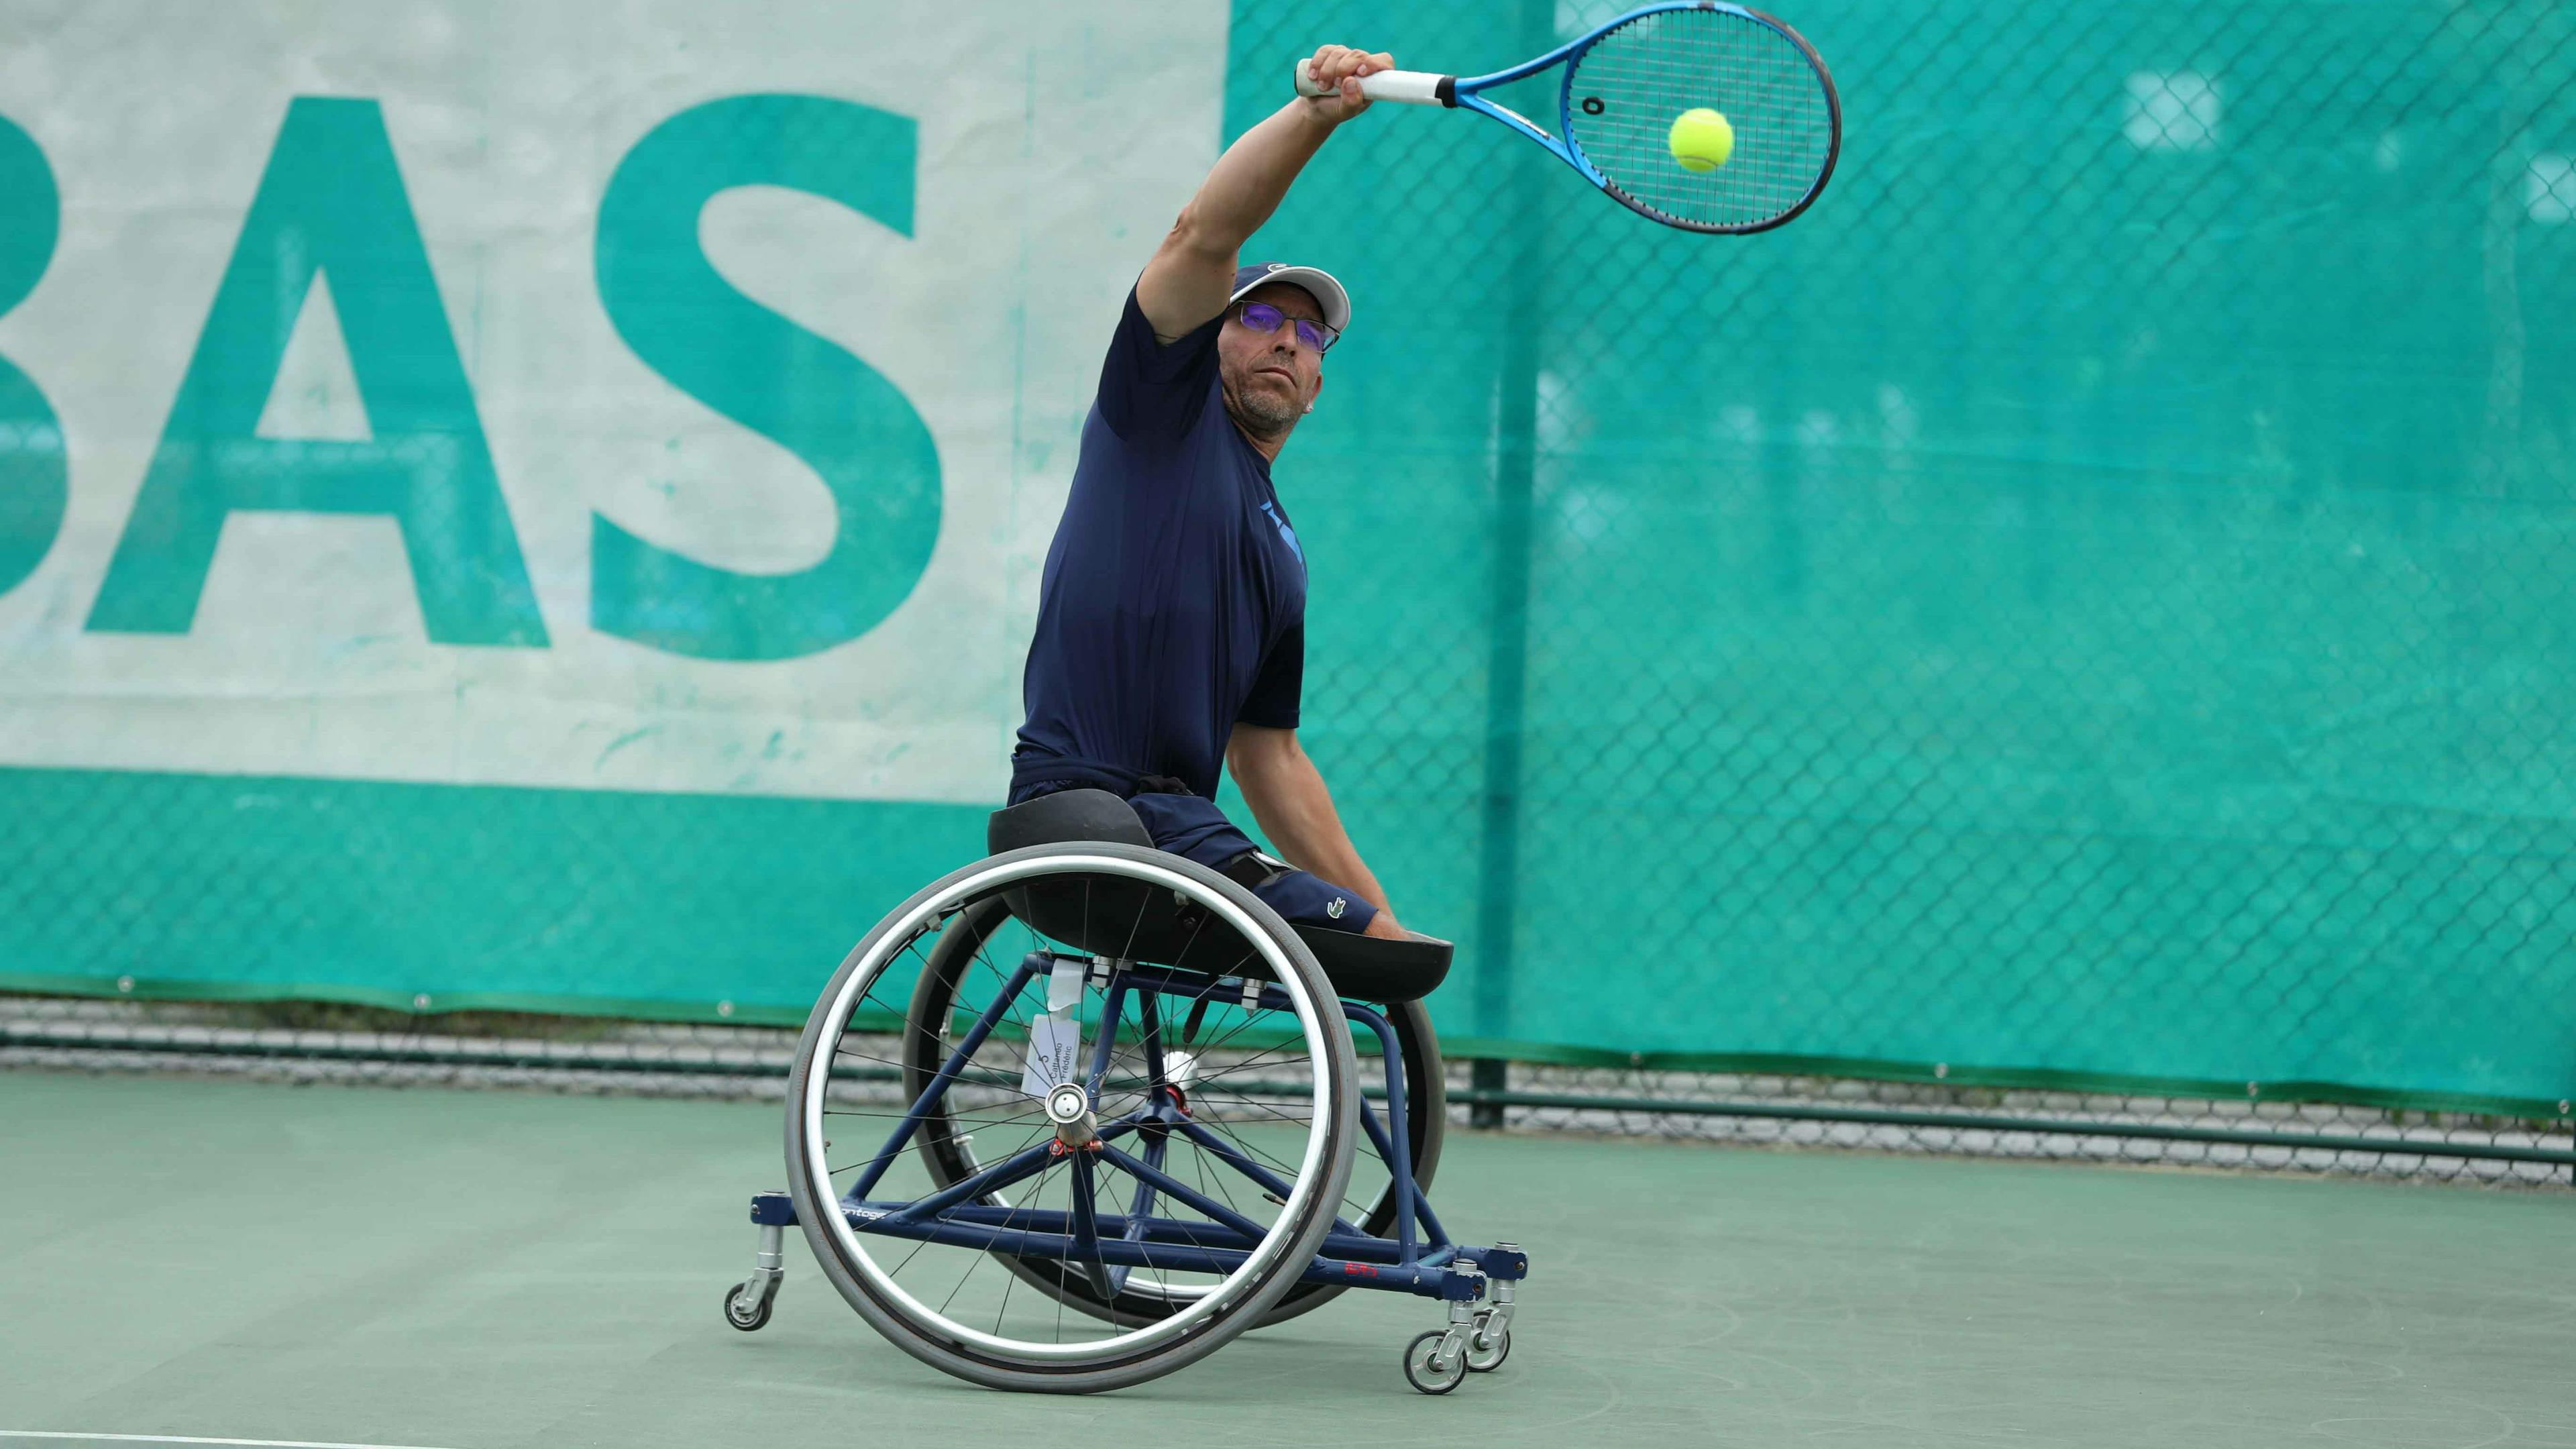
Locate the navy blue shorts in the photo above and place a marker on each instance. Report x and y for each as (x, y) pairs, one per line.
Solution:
(1194, 828)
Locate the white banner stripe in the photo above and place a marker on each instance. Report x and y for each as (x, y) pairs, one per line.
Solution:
(189, 1439)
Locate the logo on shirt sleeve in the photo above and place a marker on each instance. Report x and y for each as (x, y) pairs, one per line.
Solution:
(1285, 531)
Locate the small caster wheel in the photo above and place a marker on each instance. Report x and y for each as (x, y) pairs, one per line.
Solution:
(1422, 1367)
(745, 1307)
(1486, 1354)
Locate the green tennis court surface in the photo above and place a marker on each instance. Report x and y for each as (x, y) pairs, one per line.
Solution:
(468, 1270)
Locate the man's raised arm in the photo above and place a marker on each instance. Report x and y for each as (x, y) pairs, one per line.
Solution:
(1289, 801)
(1192, 272)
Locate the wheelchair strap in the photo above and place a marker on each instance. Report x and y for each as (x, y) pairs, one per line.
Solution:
(1252, 870)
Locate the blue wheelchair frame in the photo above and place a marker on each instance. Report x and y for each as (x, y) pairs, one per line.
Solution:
(1420, 1258)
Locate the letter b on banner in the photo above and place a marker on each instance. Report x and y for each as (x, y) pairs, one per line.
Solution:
(34, 483)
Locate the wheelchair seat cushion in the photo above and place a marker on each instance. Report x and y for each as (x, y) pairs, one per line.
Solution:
(1137, 925)
(1376, 968)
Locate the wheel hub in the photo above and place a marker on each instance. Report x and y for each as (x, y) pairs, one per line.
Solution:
(1068, 1106)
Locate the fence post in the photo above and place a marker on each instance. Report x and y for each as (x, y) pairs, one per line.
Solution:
(1486, 1076)
(1507, 656)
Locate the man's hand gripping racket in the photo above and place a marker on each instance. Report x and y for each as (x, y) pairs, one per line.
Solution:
(1704, 116)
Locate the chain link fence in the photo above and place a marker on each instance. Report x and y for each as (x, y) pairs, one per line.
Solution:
(2090, 597)
(2063, 650)
(308, 1044)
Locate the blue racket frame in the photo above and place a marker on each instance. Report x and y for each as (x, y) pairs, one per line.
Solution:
(1463, 92)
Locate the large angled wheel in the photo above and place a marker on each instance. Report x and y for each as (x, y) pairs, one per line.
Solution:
(1209, 1205)
(1240, 1080)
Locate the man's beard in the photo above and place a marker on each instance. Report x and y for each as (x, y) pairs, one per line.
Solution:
(1263, 412)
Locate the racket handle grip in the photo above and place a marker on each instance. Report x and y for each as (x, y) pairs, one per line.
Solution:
(1410, 87)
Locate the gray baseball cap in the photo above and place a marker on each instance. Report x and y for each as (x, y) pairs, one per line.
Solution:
(1317, 283)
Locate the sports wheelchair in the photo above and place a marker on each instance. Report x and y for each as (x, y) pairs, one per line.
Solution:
(1126, 1084)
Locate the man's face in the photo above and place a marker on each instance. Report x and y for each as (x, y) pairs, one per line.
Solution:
(1269, 378)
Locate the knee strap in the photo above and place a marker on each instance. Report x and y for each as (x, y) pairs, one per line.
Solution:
(1252, 870)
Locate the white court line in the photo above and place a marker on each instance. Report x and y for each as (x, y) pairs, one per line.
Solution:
(189, 1440)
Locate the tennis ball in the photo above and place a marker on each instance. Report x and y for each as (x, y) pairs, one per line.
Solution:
(1701, 139)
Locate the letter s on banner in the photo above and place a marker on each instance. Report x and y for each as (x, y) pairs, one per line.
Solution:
(843, 418)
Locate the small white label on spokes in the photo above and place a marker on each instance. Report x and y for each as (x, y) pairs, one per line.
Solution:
(1055, 1036)
(1055, 1046)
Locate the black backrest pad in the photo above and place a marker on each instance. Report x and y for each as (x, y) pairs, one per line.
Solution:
(1064, 817)
(1102, 915)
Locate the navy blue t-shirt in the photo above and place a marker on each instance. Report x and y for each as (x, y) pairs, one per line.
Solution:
(1174, 600)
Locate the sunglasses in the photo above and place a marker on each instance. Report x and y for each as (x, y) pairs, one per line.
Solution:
(1263, 318)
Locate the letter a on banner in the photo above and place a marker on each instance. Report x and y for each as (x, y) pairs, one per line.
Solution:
(332, 203)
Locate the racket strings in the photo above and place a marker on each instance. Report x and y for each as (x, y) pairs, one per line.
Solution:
(1626, 90)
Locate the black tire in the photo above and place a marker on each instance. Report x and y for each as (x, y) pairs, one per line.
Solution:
(1423, 1373)
(1241, 1301)
(752, 1321)
(1426, 1127)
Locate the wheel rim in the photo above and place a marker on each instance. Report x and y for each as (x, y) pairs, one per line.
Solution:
(1369, 1204)
(899, 943)
(1424, 1361)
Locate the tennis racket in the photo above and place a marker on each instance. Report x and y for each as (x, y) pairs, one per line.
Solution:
(1628, 82)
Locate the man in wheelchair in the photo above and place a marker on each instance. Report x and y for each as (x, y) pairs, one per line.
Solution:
(1103, 1067)
(1171, 638)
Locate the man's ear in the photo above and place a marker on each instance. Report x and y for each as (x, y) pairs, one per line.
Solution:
(1318, 392)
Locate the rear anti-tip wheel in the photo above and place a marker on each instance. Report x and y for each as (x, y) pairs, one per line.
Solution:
(746, 1308)
(1423, 1368)
(1486, 1351)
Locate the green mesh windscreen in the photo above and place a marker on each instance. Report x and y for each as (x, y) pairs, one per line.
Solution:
(2093, 600)
(2095, 593)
